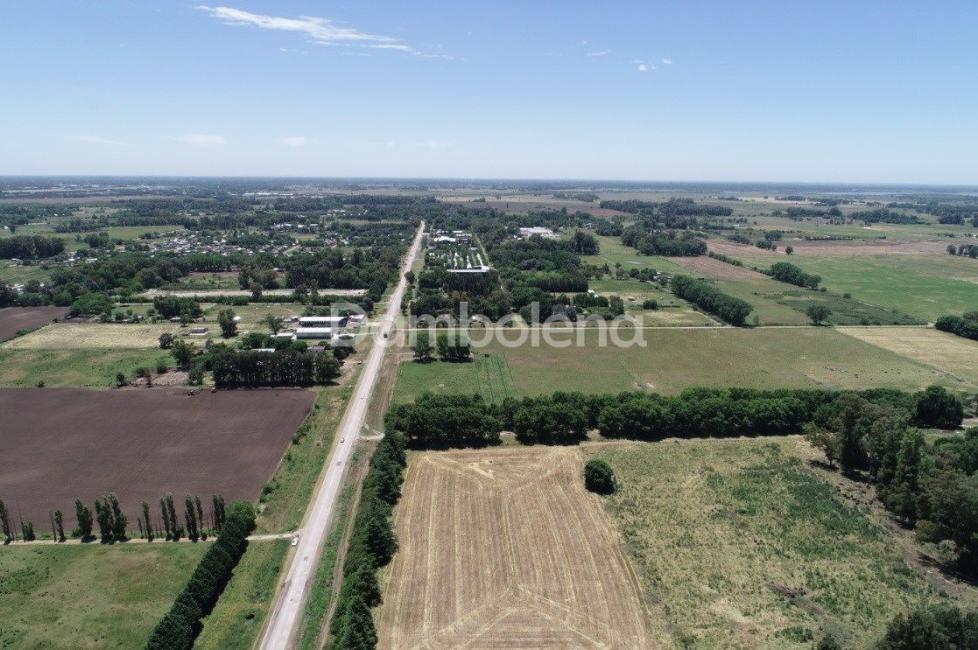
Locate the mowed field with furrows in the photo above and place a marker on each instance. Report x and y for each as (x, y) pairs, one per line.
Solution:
(504, 548)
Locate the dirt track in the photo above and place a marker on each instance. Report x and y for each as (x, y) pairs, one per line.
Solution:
(59, 444)
(504, 548)
(14, 319)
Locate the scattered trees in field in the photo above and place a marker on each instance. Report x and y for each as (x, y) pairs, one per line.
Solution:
(229, 327)
(599, 477)
(708, 298)
(454, 347)
(818, 314)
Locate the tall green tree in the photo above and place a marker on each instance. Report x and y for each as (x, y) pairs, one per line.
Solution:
(147, 523)
(229, 327)
(59, 524)
(5, 523)
(84, 518)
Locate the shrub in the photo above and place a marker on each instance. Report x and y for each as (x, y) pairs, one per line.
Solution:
(598, 477)
(936, 407)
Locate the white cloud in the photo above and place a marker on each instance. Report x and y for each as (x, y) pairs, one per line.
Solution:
(320, 30)
(95, 139)
(436, 145)
(295, 141)
(667, 61)
(642, 67)
(599, 53)
(202, 139)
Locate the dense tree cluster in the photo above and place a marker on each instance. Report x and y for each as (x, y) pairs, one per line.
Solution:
(788, 272)
(181, 625)
(440, 421)
(710, 299)
(372, 545)
(663, 242)
(938, 627)
(252, 369)
(965, 325)
(30, 247)
(175, 306)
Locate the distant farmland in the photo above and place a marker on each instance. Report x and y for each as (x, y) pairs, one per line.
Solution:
(503, 549)
(59, 444)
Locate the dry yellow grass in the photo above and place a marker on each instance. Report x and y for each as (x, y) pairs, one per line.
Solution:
(81, 336)
(948, 353)
(505, 549)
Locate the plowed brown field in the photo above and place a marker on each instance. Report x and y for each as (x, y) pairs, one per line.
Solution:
(505, 549)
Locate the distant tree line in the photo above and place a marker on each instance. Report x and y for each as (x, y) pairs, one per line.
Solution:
(788, 272)
(885, 215)
(180, 626)
(672, 207)
(707, 297)
(965, 325)
(372, 545)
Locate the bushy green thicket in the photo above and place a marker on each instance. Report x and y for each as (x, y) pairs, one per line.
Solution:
(939, 627)
(439, 421)
(966, 325)
(788, 272)
(372, 545)
(708, 298)
(181, 625)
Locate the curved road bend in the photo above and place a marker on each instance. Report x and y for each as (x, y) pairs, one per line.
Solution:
(286, 614)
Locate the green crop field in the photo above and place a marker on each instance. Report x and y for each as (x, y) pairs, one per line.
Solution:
(75, 596)
(487, 375)
(95, 368)
(737, 544)
(674, 359)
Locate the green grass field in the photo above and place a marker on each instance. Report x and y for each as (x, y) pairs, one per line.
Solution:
(94, 368)
(721, 532)
(487, 375)
(91, 596)
(674, 359)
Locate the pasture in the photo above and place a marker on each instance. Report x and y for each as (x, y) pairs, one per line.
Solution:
(504, 548)
(93, 368)
(739, 545)
(953, 354)
(674, 359)
(94, 596)
(63, 444)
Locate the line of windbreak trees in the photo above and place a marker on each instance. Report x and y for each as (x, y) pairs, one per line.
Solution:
(372, 545)
(441, 421)
(672, 207)
(114, 525)
(965, 325)
(180, 626)
(289, 367)
(707, 297)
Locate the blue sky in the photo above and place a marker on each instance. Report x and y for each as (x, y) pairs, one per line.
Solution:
(858, 91)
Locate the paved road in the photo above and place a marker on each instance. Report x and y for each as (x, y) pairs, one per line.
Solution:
(286, 614)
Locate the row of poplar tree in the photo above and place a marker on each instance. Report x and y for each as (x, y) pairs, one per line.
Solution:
(113, 524)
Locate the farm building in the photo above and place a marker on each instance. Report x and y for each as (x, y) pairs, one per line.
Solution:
(314, 333)
(323, 321)
(546, 233)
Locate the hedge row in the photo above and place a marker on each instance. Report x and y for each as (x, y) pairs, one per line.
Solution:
(181, 625)
(708, 298)
(372, 545)
(787, 272)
